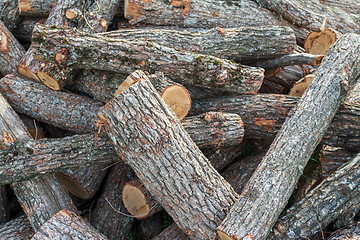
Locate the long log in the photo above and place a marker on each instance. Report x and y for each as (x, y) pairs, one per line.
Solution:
(243, 44)
(185, 190)
(321, 206)
(297, 139)
(67, 225)
(93, 51)
(16, 229)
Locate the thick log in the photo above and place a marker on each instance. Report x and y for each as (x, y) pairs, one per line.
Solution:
(9, 14)
(194, 208)
(65, 45)
(27, 159)
(65, 110)
(11, 51)
(322, 205)
(40, 197)
(243, 44)
(172, 232)
(110, 216)
(67, 225)
(17, 229)
(292, 59)
(264, 114)
(297, 139)
(83, 182)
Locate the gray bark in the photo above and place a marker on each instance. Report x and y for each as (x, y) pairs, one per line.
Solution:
(293, 59)
(17, 229)
(9, 13)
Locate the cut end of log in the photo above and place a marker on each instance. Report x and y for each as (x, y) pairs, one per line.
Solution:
(318, 43)
(126, 84)
(135, 201)
(70, 14)
(25, 6)
(49, 81)
(72, 186)
(299, 88)
(223, 236)
(4, 42)
(317, 61)
(24, 71)
(178, 99)
(131, 10)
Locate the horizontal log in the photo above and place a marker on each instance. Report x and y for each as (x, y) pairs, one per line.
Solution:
(264, 114)
(242, 44)
(93, 51)
(293, 59)
(322, 205)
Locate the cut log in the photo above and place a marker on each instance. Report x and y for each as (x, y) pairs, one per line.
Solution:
(83, 182)
(172, 232)
(17, 229)
(264, 114)
(67, 225)
(292, 59)
(9, 14)
(35, 8)
(109, 215)
(65, 110)
(320, 42)
(40, 197)
(27, 159)
(192, 198)
(97, 52)
(297, 139)
(322, 205)
(11, 51)
(243, 44)
(175, 95)
(138, 200)
(332, 158)
(24, 28)
(300, 86)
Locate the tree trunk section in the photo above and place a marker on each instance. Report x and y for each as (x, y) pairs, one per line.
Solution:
(108, 215)
(11, 51)
(321, 206)
(243, 44)
(9, 14)
(17, 229)
(93, 51)
(297, 139)
(67, 225)
(198, 202)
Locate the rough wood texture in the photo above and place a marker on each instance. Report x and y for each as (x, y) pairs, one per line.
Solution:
(350, 6)
(9, 14)
(26, 159)
(40, 197)
(352, 232)
(320, 42)
(65, 110)
(297, 139)
(264, 114)
(4, 212)
(208, 196)
(24, 28)
(17, 229)
(292, 59)
(83, 182)
(322, 205)
(173, 232)
(35, 8)
(95, 51)
(108, 215)
(67, 225)
(243, 44)
(11, 51)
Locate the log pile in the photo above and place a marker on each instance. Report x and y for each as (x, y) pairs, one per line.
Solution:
(133, 119)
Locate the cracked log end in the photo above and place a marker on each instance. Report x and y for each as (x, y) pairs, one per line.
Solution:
(318, 43)
(49, 81)
(24, 71)
(299, 87)
(135, 201)
(73, 187)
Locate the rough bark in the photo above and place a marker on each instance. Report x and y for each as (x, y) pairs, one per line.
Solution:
(17, 229)
(310, 15)
(67, 225)
(243, 44)
(40, 197)
(24, 28)
(83, 182)
(35, 8)
(191, 191)
(4, 213)
(97, 52)
(172, 232)
(350, 6)
(264, 114)
(65, 110)
(9, 13)
(108, 215)
(352, 232)
(292, 59)
(27, 159)
(322, 205)
(297, 139)
(11, 51)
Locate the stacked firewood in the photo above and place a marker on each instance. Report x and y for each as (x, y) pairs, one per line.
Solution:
(230, 119)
